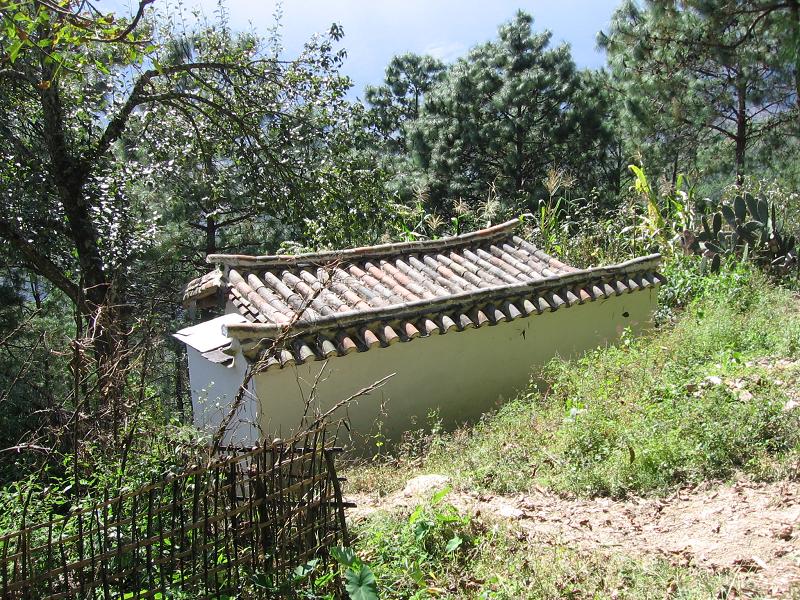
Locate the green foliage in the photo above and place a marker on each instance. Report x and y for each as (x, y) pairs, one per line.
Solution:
(413, 557)
(687, 280)
(500, 561)
(665, 213)
(399, 100)
(60, 34)
(500, 118)
(696, 401)
(753, 232)
(131, 147)
(118, 178)
(359, 580)
(75, 479)
(703, 66)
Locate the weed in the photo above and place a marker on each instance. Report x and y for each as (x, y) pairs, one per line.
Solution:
(415, 556)
(697, 400)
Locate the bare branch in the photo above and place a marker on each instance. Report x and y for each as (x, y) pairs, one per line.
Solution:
(137, 97)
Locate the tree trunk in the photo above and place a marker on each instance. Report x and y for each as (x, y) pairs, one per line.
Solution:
(211, 235)
(98, 305)
(741, 129)
(70, 174)
(794, 7)
(675, 170)
(519, 149)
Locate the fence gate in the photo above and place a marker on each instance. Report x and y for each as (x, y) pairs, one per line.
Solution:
(248, 518)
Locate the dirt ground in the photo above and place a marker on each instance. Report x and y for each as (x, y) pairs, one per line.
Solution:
(749, 529)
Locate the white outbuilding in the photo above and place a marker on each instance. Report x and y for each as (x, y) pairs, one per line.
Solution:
(460, 324)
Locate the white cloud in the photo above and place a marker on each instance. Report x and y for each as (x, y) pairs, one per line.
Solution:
(446, 51)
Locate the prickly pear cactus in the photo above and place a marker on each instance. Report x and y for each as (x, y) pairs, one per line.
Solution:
(747, 229)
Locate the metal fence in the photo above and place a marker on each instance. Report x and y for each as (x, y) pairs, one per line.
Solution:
(248, 518)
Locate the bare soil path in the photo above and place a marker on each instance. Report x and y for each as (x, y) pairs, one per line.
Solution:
(746, 528)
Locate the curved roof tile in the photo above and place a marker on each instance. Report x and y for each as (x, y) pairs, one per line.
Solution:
(334, 303)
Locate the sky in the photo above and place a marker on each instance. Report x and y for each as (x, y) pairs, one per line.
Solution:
(377, 30)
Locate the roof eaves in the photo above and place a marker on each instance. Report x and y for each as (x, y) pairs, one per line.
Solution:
(202, 287)
(249, 331)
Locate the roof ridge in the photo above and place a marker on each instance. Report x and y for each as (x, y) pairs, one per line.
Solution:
(362, 252)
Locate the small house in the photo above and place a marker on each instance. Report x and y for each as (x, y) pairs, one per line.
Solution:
(459, 324)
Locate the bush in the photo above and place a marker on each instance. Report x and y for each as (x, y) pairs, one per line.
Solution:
(426, 549)
(688, 405)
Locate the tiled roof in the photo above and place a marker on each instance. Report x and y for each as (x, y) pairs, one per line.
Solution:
(203, 288)
(334, 303)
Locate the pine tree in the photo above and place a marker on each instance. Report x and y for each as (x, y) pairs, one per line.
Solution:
(500, 118)
(697, 73)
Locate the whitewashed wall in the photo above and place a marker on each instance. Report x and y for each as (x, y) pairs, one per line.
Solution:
(459, 375)
(214, 388)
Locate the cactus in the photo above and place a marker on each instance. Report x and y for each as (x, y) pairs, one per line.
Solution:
(752, 232)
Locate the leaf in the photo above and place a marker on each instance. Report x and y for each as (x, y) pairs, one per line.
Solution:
(13, 51)
(729, 216)
(763, 211)
(752, 206)
(440, 495)
(421, 529)
(739, 208)
(716, 223)
(361, 584)
(704, 223)
(751, 228)
(642, 185)
(303, 571)
(773, 221)
(344, 556)
(454, 544)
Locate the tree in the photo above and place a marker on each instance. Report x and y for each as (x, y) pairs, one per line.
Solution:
(409, 78)
(710, 66)
(76, 163)
(762, 19)
(596, 156)
(501, 117)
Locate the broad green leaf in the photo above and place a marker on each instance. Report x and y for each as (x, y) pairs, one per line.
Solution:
(440, 495)
(304, 570)
(454, 544)
(739, 208)
(360, 584)
(13, 51)
(729, 215)
(344, 556)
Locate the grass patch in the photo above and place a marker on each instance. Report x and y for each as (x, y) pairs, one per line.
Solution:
(415, 556)
(701, 398)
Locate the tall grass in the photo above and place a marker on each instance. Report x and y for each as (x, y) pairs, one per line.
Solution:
(702, 398)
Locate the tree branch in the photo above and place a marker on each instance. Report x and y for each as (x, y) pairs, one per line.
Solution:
(41, 263)
(129, 29)
(119, 122)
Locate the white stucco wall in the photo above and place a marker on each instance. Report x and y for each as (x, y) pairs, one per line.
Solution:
(214, 387)
(460, 375)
